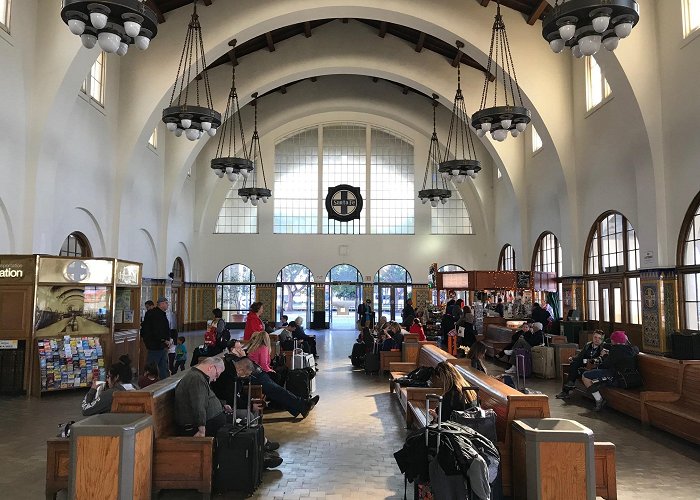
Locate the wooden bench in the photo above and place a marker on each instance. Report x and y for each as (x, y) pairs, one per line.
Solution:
(178, 462)
(388, 357)
(496, 338)
(676, 412)
(410, 351)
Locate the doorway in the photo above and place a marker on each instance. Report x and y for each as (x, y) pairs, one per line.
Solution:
(611, 305)
(342, 296)
(392, 286)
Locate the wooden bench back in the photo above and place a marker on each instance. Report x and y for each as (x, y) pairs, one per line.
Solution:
(430, 355)
(508, 403)
(158, 400)
(690, 392)
(498, 333)
(659, 373)
(410, 337)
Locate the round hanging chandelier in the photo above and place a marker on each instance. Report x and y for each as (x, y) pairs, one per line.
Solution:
(586, 25)
(250, 191)
(225, 161)
(113, 24)
(182, 116)
(435, 192)
(459, 161)
(511, 116)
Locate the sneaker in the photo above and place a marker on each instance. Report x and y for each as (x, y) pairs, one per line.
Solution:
(272, 461)
(599, 405)
(511, 370)
(565, 394)
(310, 406)
(271, 446)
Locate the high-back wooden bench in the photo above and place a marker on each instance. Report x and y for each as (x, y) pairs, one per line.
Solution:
(496, 338)
(178, 462)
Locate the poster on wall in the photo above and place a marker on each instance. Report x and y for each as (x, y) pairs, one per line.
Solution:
(71, 309)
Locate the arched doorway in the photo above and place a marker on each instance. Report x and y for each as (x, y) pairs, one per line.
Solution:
(452, 294)
(343, 293)
(392, 286)
(235, 292)
(294, 292)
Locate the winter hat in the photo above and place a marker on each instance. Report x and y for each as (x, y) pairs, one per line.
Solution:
(618, 337)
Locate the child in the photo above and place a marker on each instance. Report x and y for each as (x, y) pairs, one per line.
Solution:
(171, 355)
(180, 354)
(150, 375)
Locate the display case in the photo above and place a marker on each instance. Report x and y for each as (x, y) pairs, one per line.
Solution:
(77, 315)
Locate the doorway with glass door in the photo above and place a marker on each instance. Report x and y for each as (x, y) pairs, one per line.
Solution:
(392, 286)
(343, 294)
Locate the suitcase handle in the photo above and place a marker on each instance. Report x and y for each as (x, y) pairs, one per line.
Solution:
(428, 399)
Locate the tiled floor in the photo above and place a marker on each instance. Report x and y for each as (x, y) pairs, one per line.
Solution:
(344, 448)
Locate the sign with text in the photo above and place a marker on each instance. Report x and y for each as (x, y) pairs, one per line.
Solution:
(455, 281)
(344, 203)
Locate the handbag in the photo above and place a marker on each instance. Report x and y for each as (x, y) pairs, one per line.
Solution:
(629, 378)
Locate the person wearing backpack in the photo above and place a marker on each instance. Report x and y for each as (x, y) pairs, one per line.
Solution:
(222, 334)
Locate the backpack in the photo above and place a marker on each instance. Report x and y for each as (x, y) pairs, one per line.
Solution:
(420, 377)
(223, 338)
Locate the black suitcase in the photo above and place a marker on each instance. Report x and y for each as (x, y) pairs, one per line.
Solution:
(372, 360)
(240, 455)
(357, 358)
(299, 380)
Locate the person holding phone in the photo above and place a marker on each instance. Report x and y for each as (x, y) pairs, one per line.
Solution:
(99, 398)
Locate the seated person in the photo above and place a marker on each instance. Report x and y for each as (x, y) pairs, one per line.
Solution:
(476, 355)
(387, 342)
(620, 357)
(381, 324)
(536, 335)
(275, 393)
(285, 320)
(99, 398)
(508, 350)
(308, 342)
(416, 327)
(455, 397)
(200, 413)
(396, 333)
(259, 351)
(590, 353)
(366, 337)
(150, 375)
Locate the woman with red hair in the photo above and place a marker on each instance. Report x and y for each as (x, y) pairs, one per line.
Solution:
(253, 323)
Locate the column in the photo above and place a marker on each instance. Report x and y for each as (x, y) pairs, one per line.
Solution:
(659, 289)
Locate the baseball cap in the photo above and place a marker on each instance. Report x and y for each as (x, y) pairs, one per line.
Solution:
(162, 299)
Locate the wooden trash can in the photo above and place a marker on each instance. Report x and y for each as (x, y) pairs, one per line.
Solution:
(112, 457)
(552, 458)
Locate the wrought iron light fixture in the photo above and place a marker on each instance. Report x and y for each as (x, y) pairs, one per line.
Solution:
(192, 119)
(114, 24)
(512, 116)
(585, 25)
(225, 162)
(250, 191)
(437, 191)
(460, 144)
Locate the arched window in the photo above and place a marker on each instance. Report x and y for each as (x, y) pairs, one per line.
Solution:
(612, 271)
(450, 268)
(392, 286)
(689, 265)
(452, 217)
(343, 295)
(76, 245)
(506, 260)
(235, 291)
(236, 217)
(294, 292)
(547, 258)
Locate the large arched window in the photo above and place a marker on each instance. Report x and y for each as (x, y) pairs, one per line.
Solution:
(452, 217)
(343, 295)
(392, 286)
(547, 258)
(236, 217)
(689, 265)
(294, 292)
(612, 271)
(506, 260)
(76, 245)
(235, 291)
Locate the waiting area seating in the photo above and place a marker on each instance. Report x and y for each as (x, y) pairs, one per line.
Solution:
(496, 338)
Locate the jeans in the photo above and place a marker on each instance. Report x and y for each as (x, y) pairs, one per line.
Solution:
(573, 372)
(279, 395)
(160, 358)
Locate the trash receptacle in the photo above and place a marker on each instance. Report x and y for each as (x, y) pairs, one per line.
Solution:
(111, 457)
(553, 458)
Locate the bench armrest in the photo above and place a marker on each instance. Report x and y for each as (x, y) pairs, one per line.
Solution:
(659, 396)
(419, 393)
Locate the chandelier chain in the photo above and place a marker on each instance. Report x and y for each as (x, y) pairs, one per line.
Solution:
(511, 71)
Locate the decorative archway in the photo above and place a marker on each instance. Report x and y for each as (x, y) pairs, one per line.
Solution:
(547, 258)
(506, 259)
(343, 293)
(688, 260)
(392, 286)
(76, 244)
(295, 295)
(235, 292)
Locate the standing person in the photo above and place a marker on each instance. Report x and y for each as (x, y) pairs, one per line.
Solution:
(366, 314)
(222, 333)
(539, 314)
(447, 324)
(180, 354)
(499, 307)
(149, 305)
(172, 346)
(253, 323)
(467, 336)
(172, 324)
(408, 314)
(155, 330)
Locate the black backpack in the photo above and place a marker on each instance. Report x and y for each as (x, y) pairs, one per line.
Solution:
(223, 338)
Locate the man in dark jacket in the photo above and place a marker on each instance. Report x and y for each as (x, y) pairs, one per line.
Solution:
(621, 356)
(155, 329)
(408, 314)
(539, 314)
(536, 335)
(589, 354)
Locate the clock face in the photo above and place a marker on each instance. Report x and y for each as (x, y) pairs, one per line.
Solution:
(344, 203)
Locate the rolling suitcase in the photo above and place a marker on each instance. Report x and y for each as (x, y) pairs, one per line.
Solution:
(372, 360)
(526, 361)
(357, 358)
(301, 381)
(543, 362)
(239, 456)
(520, 366)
